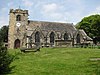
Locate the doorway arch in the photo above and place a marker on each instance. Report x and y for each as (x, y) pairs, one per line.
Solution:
(17, 44)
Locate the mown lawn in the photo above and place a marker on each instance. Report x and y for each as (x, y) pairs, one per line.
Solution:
(56, 61)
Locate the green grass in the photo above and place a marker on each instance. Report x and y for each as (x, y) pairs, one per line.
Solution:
(56, 61)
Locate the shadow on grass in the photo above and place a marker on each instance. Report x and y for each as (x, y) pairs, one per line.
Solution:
(9, 71)
(94, 66)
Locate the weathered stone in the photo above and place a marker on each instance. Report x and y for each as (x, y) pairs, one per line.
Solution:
(26, 33)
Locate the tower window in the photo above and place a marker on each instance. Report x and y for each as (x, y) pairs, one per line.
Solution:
(18, 18)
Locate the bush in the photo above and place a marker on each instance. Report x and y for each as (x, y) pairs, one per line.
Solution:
(98, 47)
(5, 60)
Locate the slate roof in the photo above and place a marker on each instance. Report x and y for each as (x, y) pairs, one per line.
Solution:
(50, 26)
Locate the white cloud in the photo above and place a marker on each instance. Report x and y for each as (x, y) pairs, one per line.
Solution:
(3, 21)
(10, 4)
(48, 8)
(56, 12)
(27, 3)
(53, 11)
(3, 17)
(3, 9)
(73, 2)
(97, 9)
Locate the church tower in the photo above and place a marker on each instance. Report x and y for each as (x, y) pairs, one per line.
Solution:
(18, 20)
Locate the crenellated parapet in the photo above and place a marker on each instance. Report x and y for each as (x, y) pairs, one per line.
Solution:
(19, 11)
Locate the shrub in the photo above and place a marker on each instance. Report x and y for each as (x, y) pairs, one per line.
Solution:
(5, 60)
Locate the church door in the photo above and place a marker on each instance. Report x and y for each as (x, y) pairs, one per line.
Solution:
(52, 38)
(17, 44)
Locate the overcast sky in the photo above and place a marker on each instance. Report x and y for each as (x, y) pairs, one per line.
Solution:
(70, 11)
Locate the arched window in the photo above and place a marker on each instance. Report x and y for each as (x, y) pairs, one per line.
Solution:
(65, 36)
(52, 35)
(17, 44)
(18, 18)
(78, 38)
(37, 37)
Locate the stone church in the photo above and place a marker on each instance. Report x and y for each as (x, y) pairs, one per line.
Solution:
(28, 33)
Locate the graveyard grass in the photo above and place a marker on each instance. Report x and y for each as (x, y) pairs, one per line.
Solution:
(56, 61)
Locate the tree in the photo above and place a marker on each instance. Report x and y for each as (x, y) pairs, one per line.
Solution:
(4, 34)
(5, 58)
(91, 25)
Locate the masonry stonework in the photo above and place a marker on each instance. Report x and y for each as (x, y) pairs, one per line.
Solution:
(27, 33)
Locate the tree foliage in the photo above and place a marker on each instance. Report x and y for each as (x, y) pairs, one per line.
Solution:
(91, 25)
(4, 34)
(5, 60)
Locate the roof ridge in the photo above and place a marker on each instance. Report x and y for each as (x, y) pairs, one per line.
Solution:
(50, 22)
